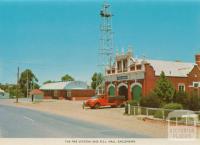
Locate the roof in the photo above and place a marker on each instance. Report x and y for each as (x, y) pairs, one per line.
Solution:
(2, 91)
(170, 68)
(70, 85)
(36, 92)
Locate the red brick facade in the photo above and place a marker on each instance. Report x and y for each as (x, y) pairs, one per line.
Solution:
(70, 90)
(145, 77)
(69, 94)
(150, 80)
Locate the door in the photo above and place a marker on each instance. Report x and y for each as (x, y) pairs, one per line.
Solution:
(123, 91)
(111, 91)
(136, 93)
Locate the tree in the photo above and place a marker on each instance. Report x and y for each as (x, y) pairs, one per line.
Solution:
(12, 90)
(27, 79)
(66, 78)
(49, 81)
(164, 89)
(97, 79)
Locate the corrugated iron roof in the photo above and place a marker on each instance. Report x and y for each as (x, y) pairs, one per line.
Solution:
(70, 85)
(170, 68)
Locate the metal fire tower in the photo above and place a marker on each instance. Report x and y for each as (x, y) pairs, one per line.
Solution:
(106, 38)
(106, 43)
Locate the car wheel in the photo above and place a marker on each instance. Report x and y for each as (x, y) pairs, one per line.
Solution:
(83, 105)
(97, 106)
(122, 105)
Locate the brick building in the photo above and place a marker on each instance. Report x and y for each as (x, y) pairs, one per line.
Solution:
(71, 90)
(134, 78)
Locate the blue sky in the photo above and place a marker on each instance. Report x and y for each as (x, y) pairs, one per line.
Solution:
(57, 37)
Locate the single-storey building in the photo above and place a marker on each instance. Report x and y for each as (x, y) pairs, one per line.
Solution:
(71, 90)
(4, 95)
(134, 78)
(36, 95)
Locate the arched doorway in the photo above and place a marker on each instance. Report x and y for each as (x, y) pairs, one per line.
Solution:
(123, 91)
(136, 92)
(111, 91)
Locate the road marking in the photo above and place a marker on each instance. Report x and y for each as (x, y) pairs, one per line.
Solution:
(28, 118)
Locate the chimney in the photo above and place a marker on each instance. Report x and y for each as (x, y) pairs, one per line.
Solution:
(197, 59)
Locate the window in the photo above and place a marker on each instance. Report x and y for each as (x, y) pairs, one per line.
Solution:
(69, 93)
(132, 67)
(119, 67)
(125, 65)
(195, 84)
(181, 87)
(113, 70)
(139, 67)
(108, 71)
(56, 93)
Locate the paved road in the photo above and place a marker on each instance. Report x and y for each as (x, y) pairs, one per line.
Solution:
(25, 123)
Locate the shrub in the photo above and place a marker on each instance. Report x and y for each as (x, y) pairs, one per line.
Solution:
(151, 101)
(133, 103)
(194, 102)
(182, 98)
(158, 114)
(173, 106)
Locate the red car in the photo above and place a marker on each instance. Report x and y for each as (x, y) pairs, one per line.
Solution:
(96, 102)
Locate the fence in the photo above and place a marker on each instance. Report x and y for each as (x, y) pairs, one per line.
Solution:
(154, 113)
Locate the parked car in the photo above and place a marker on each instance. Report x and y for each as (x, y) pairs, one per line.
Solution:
(96, 102)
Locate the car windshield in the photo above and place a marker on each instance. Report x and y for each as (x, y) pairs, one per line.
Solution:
(95, 97)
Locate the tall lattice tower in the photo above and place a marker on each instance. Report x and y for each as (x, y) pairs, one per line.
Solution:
(106, 44)
(106, 38)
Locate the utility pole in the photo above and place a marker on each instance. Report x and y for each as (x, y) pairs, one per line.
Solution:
(17, 96)
(33, 84)
(32, 88)
(27, 86)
